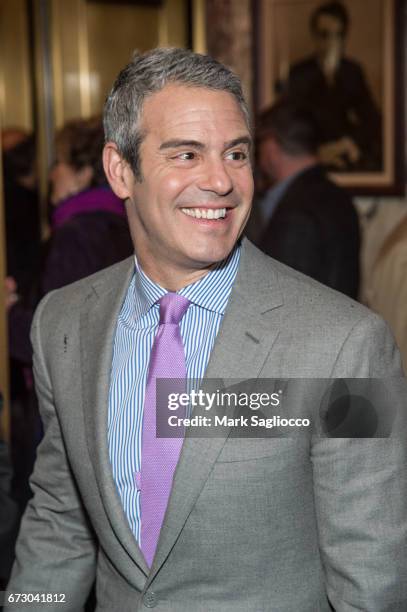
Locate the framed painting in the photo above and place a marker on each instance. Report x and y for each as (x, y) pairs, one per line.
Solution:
(343, 60)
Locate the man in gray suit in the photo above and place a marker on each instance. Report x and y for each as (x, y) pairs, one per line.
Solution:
(260, 525)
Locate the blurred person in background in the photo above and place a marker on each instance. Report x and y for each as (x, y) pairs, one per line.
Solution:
(335, 89)
(89, 232)
(21, 203)
(309, 222)
(23, 239)
(387, 294)
(8, 514)
(88, 226)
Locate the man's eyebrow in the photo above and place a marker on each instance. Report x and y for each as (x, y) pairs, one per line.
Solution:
(238, 141)
(174, 144)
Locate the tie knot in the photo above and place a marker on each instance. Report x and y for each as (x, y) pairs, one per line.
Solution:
(172, 308)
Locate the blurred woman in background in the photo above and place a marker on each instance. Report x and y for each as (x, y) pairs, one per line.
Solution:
(89, 232)
(89, 226)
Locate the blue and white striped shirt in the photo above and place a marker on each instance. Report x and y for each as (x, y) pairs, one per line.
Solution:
(136, 328)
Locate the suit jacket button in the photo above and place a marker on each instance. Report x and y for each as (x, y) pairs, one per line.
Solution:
(150, 599)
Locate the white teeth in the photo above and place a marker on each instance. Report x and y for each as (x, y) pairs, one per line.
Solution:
(205, 213)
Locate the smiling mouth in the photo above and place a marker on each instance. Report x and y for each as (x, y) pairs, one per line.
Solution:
(205, 213)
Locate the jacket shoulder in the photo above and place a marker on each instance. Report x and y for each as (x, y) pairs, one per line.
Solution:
(72, 296)
(352, 67)
(321, 331)
(309, 292)
(315, 188)
(304, 295)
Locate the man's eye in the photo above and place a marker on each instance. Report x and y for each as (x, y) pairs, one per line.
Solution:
(237, 155)
(187, 156)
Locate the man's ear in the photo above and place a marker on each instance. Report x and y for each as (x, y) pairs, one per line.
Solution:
(118, 171)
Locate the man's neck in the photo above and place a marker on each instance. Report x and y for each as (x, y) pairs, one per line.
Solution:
(172, 278)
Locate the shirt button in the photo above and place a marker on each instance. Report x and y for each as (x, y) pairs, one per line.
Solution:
(150, 599)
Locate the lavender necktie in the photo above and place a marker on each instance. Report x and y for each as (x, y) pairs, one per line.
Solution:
(159, 456)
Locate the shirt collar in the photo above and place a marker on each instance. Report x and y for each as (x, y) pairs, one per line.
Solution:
(274, 195)
(211, 291)
(146, 291)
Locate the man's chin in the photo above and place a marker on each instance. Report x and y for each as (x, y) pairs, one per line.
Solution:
(208, 258)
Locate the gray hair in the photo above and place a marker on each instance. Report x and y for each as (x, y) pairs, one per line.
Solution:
(148, 73)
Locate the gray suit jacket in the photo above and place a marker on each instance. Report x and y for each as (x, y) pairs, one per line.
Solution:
(252, 525)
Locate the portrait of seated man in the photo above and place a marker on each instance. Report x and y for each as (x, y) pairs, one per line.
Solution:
(335, 88)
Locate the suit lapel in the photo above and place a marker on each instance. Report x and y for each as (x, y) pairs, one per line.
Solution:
(241, 348)
(243, 344)
(98, 326)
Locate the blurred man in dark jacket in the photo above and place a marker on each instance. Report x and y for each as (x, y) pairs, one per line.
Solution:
(310, 223)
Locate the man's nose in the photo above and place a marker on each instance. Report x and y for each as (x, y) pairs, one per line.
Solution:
(215, 177)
